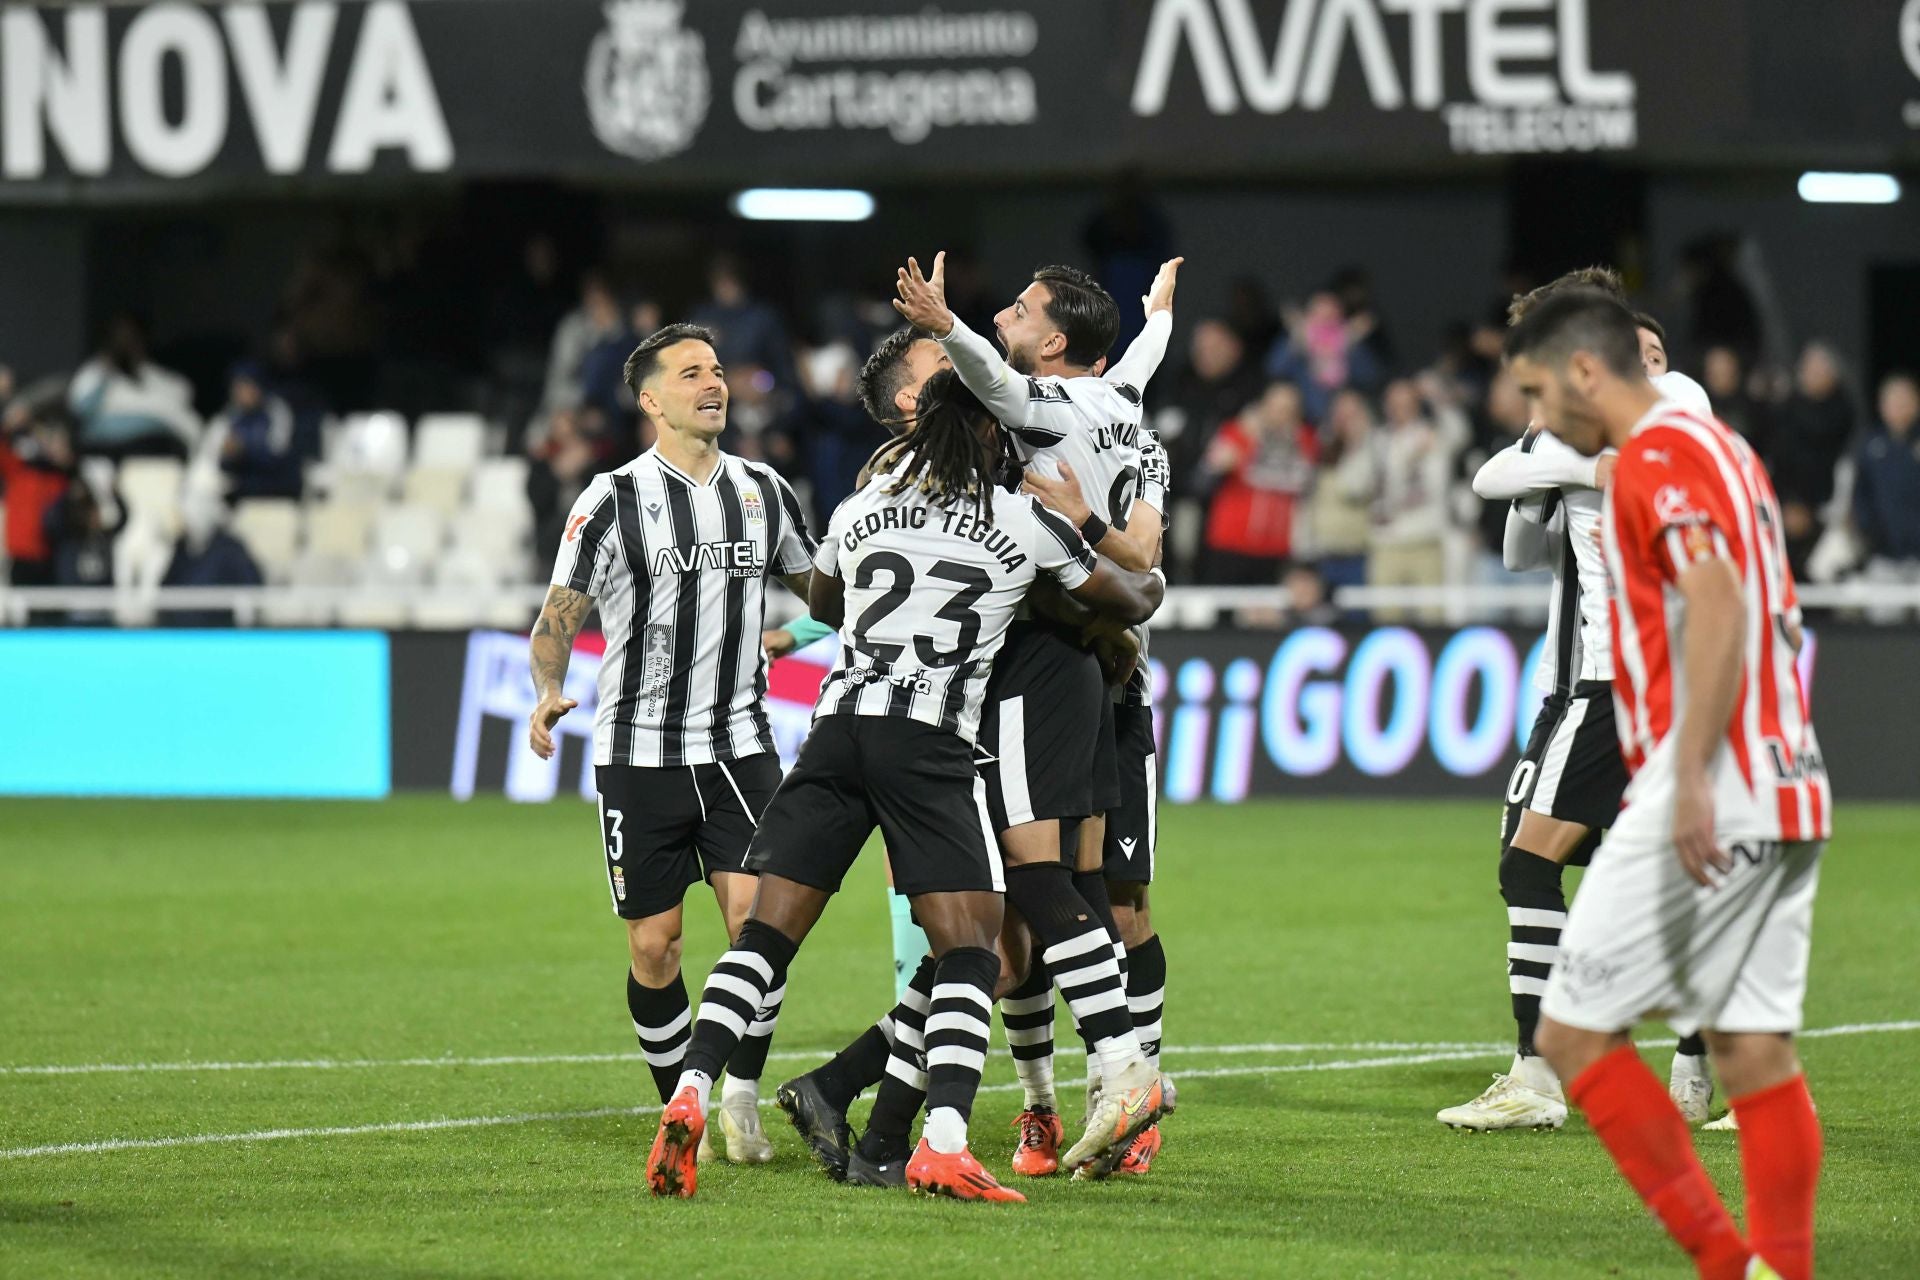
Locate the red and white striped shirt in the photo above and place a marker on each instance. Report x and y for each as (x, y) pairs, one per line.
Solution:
(1688, 489)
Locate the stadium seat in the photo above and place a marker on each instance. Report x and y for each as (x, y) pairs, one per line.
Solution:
(453, 440)
(338, 531)
(441, 488)
(484, 534)
(406, 542)
(270, 528)
(368, 457)
(500, 486)
(150, 488)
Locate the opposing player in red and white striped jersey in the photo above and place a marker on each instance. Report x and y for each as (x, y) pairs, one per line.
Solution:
(1699, 906)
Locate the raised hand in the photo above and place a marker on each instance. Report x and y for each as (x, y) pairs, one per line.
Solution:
(1160, 296)
(923, 299)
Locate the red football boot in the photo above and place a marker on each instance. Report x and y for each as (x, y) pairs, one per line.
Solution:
(958, 1176)
(671, 1165)
(1139, 1157)
(1038, 1152)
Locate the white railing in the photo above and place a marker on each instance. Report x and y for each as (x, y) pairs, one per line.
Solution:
(514, 608)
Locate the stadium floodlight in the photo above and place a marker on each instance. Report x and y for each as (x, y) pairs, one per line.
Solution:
(802, 204)
(1818, 187)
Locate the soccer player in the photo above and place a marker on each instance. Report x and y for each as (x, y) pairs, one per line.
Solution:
(1048, 730)
(922, 569)
(676, 547)
(1125, 859)
(1699, 907)
(1567, 786)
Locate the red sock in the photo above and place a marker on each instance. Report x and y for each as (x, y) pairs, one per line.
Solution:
(1629, 1108)
(1780, 1159)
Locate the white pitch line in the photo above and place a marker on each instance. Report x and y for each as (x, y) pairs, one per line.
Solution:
(812, 1055)
(543, 1117)
(546, 1059)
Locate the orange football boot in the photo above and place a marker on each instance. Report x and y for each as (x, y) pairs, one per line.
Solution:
(672, 1166)
(958, 1176)
(1038, 1152)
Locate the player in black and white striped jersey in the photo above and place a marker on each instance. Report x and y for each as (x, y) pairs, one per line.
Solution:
(675, 548)
(922, 570)
(1048, 731)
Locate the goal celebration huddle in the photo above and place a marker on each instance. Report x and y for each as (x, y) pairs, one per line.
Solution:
(991, 582)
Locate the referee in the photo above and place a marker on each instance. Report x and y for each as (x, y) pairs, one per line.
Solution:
(675, 547)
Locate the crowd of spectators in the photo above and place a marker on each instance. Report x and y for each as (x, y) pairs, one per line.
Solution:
(1310, 451)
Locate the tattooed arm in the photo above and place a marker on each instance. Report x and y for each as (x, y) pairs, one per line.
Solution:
(550, 649)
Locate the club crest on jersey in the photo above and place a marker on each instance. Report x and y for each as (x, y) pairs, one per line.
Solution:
(742, 559)
(1673, 505)
(755, 509)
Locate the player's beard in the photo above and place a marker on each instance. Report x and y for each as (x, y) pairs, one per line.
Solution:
(1021, 361)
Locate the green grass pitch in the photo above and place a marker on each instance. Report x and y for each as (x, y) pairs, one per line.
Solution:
(372, 953)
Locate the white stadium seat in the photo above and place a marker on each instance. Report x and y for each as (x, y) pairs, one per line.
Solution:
(406, 542)
(338, 530)
(453, 440)
(270, 528)
(367, 457)
(500, 485)
(442, 488)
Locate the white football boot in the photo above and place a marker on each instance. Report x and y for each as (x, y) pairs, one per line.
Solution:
(739, 1125)
(1691, 1086)
(1727, 1123)
(1527, 1097)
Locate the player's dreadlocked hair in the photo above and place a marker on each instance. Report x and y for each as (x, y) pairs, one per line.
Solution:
(945, 455)
(1605, 279)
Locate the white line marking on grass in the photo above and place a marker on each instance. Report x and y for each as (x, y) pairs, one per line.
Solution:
(790, 1055)
(544, 1117)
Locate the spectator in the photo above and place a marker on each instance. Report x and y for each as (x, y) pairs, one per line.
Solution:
(1307, 603)
(1810, 435)
(206, 555)
(564, 458)
(840, 435)
(1263, 464)
(746, 330)
(1886, 486)
(36, 466)
(595, 321)
(82, 537)
(1341, 513)
(1129, 237)
(1353, 285)
(252, 439)
(1217, 382)
(127, 404)
(1323, 353)
(1725, 381)
(1410, 509)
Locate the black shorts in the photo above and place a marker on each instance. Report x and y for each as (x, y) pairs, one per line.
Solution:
(1045, 750)
(1133, 824)
(1572, 769)
(664, 829)
(914, 781)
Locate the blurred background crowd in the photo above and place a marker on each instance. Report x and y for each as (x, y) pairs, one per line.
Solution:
(409, 413)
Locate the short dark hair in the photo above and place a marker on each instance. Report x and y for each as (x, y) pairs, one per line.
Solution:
(1641, 320)
(1081, 310)
(1604, 279)
(645, 360)
(1578, 318)
(885, 373)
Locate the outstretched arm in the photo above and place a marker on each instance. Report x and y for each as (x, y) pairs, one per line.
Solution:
(1522, 469)
(1143, 355)
(923, 301)
(549, 651)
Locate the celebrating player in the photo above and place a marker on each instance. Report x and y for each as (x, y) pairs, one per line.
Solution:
(1567, 786)
(1048, 729)
(924, 566)
(676, 547)
(1699, 907)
